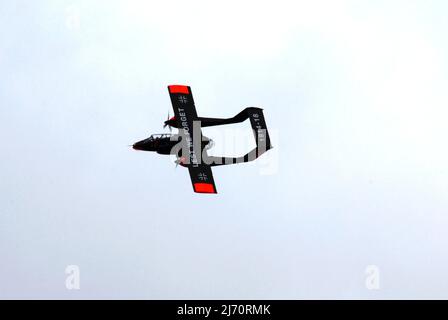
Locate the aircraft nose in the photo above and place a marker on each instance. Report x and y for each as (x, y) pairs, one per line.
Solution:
(144, 145)
(137, 146)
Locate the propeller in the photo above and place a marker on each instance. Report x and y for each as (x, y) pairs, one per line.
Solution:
(166, 124)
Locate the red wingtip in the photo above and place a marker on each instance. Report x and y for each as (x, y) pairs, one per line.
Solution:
(204, 188)
(178, 89)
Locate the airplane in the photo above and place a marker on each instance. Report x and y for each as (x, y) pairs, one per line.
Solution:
(190, 146)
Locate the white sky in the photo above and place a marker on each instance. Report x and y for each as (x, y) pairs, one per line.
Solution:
(354, 93)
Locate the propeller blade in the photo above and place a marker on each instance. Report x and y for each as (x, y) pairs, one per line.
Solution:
(167, 118)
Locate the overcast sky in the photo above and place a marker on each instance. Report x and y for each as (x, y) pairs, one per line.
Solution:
(355, 97)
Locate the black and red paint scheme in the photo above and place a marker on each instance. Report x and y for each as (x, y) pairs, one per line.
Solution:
(190, 146)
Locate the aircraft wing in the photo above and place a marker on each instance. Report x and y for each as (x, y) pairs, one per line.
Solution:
(190, 130)
(202, 179)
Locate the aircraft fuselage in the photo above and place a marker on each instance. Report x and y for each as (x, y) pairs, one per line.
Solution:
(166, 144)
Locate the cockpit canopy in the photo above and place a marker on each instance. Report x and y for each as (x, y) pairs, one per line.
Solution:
(159, 136)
